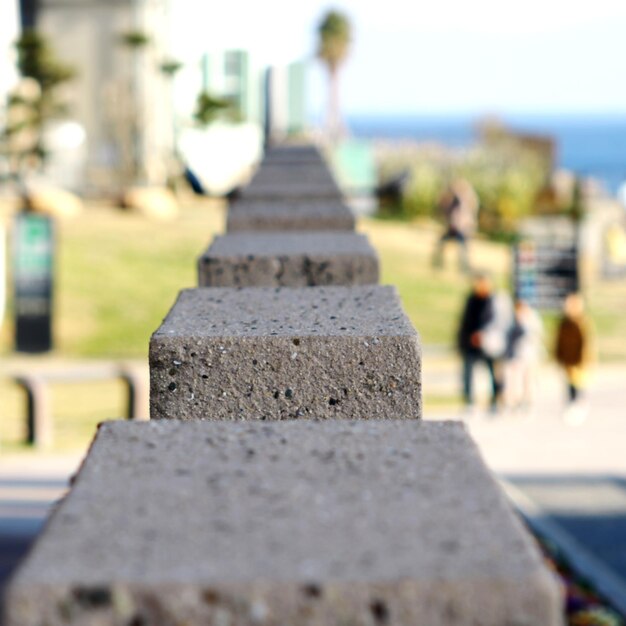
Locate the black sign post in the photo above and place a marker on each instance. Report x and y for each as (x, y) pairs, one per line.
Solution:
(546, 269)
(33, 264)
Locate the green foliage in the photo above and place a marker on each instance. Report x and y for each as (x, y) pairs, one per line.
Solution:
(209, 108)
(506, 177)
(35, 101)
(36, 60)
(334, 39)
(134, 39)
(170, 67)
(577, 207)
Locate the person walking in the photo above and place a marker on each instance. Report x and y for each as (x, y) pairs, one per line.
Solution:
(459, 207)
(523, 351)
(573, 352)
(478, 314)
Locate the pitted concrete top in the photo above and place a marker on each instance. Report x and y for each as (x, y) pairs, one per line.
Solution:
(324, 243)
(206, 503)
(359, 311)
(297, 172)
(294, 214)
(310, 523)
(289, 190)
(293, 206)
(289, 215)
(292, 154)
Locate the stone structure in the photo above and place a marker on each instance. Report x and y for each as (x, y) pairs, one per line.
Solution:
(273, 354)
(315, 524)
(292, 179)
(285, 174)
(372, 519)
(288, 154)
(288, 259)
(296, 215)
(289, 190)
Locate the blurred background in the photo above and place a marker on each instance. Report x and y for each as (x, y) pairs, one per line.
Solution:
(126, 126)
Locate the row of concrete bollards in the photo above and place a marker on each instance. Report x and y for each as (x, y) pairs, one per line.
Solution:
(285, 477)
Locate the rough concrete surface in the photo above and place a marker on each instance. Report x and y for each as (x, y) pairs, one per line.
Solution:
(293, 154)
(293, 215)
(288, 189)
(294, 524)
(280, 173)
(283, 353)
(288, 259)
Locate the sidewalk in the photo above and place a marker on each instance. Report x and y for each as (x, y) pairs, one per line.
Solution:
(30, 484)
(568, 481)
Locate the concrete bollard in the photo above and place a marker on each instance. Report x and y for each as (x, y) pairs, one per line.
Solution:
(298, 215)
(287, 155)
(291, 190)
(315, 524)
(283, 353)
(288, 259)
(277, 174)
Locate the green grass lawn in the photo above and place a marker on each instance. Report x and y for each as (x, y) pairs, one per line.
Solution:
(117, 276)
(433, 299)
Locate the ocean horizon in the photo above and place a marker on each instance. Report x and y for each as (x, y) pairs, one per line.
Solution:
(590, 145)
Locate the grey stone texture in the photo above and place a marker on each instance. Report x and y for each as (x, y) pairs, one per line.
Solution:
(295, 524)
(296, 215)
(288, 155)
(294, 180)
(261, 353)
(294, 173)
(287, 190)
(288, 259)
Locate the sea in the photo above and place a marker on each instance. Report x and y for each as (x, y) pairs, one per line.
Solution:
(588, 145)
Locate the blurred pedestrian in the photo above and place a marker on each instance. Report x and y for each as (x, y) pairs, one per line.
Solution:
(574, 351)
(494, 340)
(459, 208)
(478, 315)
(523, 352)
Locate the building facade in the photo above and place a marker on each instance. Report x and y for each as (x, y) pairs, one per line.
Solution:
(119, 96)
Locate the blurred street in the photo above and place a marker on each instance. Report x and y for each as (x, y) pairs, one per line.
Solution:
(569, 481)
(30, 484)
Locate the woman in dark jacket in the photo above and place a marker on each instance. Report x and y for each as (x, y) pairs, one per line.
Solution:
(477, 315)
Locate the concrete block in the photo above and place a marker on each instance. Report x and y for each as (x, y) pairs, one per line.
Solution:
(293, 154)
(292, 173)
(310, 524)
(290, 215)
(262, 353)
(291, 190)
(288, 259)
(277, 180)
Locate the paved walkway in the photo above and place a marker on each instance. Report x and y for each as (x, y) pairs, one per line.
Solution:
(29, 487)
(570, 481)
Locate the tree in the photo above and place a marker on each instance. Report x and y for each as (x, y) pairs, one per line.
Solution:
(170, 67)
(334, 41)
(35, 102)
(209, 108)
(132, 135)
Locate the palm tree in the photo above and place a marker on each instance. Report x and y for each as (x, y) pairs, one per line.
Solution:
(334, 40)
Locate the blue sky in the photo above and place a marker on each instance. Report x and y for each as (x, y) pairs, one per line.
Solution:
(449, 56)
